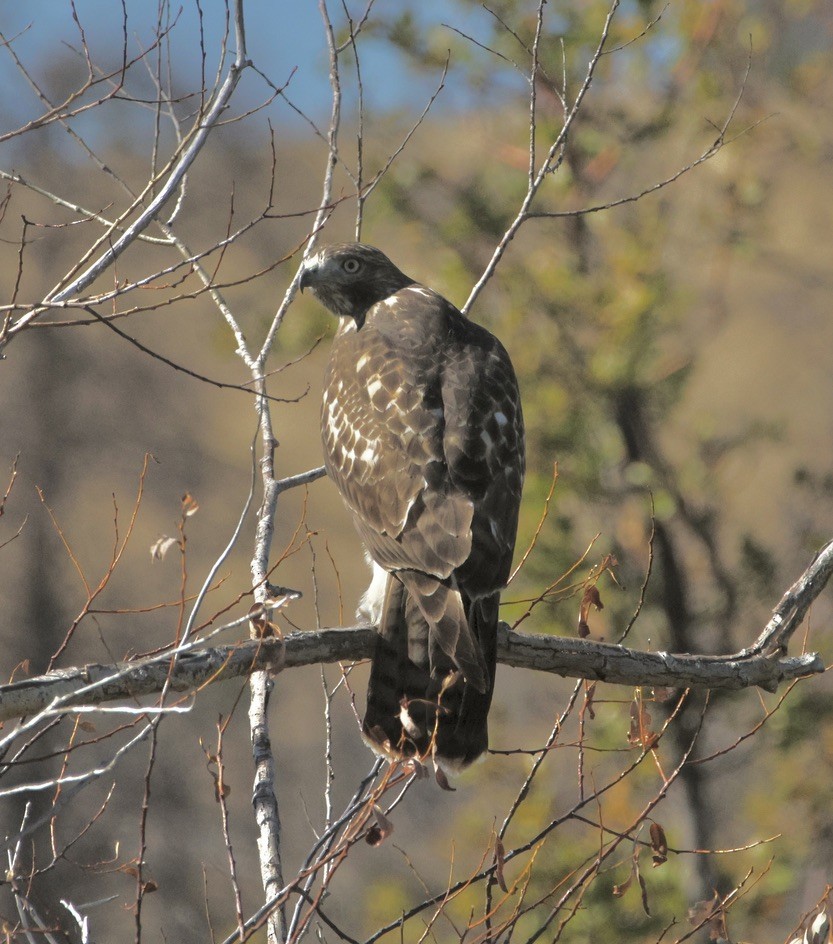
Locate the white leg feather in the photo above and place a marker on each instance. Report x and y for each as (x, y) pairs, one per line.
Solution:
(370, 605)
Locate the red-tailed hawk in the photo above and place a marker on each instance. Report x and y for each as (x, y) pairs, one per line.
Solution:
(423, 436)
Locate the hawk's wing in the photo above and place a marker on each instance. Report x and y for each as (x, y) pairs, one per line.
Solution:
(483, 443)
(423, 435)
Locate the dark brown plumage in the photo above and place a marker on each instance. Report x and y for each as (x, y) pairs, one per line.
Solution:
(423, 436)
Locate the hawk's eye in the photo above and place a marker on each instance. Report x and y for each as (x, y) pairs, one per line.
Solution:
(351, 265)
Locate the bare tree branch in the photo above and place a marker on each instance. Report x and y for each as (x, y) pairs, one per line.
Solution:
(762, 665)
(550, 162)
(574, 658)
(62, 689)
(790, 612)
(175, 174)
(582, 658)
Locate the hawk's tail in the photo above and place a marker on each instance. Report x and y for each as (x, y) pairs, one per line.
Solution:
(431, 682)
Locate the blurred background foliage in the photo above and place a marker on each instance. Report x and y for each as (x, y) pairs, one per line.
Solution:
(676, 360)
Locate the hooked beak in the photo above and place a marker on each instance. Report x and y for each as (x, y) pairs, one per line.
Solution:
(308, 274)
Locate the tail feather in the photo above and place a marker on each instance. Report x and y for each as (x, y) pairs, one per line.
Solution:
(421, 698)
(445, 611)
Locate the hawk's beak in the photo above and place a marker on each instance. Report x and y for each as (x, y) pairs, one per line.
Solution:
(308, 274)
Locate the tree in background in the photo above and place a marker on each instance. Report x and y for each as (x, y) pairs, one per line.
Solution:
(544, 195)
(611, 382)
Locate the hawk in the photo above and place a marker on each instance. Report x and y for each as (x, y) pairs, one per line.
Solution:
(423, 436)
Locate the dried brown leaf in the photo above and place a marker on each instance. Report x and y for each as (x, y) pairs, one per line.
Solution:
(659, 845)
(634, 737)
(710, 915)
(640, 733)
(590, 598)
(500, 858)
(262, 627)
(644, 889)
(418, 771)
(717, 927)
(619, 890)
(442, 780)
(257, 620)
(698, 912)
(190, 506)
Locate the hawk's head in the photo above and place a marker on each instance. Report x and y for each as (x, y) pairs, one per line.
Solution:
(351, 277)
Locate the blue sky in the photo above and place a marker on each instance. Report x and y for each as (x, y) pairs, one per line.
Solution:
(282, 35)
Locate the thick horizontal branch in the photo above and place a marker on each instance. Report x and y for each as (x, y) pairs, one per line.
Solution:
(577, 658)
(581, 658)
(764, 665)
(64, 689)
